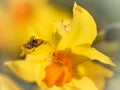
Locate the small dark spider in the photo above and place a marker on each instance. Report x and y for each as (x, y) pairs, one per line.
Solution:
(33, 43)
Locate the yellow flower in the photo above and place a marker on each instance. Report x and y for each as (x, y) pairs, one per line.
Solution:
(29, 17)
(5, 34)
(65, 62)
(8, 84)
(24, 18)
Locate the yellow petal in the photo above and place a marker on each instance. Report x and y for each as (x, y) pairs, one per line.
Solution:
(84, 84)
(80, 30)
(43, 24)
(7, 83)
(93, 54)
(95, 72)
(34, 58)
(75, 84)
(53, 88)
(24, 70)
(43, 50)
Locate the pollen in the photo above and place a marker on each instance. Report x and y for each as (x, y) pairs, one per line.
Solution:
(59, 71)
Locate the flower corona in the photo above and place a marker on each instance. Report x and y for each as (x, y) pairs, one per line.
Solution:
(59, 71)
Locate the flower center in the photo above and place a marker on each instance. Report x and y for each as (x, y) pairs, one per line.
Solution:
(59, 71)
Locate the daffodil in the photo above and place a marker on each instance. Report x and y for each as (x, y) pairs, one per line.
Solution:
(7, 83)
(66, 62)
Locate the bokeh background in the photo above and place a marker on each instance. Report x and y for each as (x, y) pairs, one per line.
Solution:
(107, 16)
